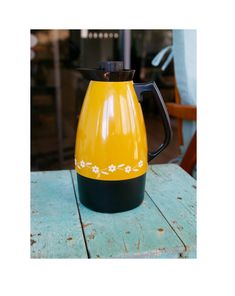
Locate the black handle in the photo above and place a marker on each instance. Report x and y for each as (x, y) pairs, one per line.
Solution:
(140, 88)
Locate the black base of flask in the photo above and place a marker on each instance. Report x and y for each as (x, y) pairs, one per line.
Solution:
(111, 196)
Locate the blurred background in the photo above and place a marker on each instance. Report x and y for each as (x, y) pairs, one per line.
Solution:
(57, 90)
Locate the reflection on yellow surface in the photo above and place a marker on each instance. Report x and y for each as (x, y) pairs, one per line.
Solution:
(111, 139)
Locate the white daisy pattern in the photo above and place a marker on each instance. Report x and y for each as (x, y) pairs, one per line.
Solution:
(110, 169)
(82, 163)
(95, 169)
(140, 163)
(127, 169)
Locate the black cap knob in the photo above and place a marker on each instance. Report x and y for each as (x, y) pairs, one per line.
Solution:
(111, 66)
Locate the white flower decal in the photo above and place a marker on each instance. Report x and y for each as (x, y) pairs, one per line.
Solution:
(82, 163)
(95, 169)
(127, 169)
(140, 163)
(112, 168)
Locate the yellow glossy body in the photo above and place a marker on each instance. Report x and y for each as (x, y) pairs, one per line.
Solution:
(111, 139)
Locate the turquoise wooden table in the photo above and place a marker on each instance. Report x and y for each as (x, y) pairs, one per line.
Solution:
(163, 226)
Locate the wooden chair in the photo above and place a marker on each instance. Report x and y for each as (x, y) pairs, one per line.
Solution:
(184, 112)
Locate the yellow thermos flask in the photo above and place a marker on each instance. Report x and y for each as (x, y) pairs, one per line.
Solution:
(111, 154)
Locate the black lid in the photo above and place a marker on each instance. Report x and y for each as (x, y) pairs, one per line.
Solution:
(111, 66)
(108, 71)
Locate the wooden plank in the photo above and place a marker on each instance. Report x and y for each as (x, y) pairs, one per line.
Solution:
(174, 193)
(186, 112)
(141, 232)
(55, 228)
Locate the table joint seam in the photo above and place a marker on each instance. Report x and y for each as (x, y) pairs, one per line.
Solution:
(80, 217)
(185, 247)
